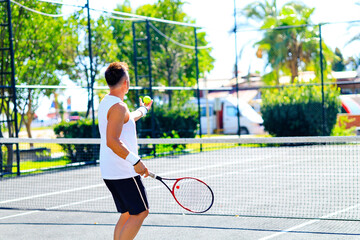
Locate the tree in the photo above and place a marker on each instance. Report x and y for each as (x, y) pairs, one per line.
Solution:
(39, 43)
(288, 49)
(338, 63)
(260, 10)
(122, 34)
(104, 50)
(172, 64)
(357, 36)
(353, 62)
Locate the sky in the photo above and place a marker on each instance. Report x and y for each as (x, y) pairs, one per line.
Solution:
(217, 20)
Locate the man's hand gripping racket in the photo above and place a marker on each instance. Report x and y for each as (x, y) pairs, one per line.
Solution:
(190, 193)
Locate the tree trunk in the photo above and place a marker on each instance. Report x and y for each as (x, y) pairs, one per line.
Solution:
(294, 64)
(10, 158)
(294, 70)
(29, 118)
(294, 59)
(169, 91)
(28, 128)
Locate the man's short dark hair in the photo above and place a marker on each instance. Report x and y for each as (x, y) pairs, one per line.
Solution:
(115, 73)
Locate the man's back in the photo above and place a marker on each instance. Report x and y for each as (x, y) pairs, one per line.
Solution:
(112, 166)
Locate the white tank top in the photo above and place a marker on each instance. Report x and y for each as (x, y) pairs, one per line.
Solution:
(111, 165)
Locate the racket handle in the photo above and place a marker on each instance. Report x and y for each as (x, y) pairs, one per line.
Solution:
(152, 175)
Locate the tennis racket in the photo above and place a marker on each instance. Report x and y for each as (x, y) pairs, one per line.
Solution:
(190, 193)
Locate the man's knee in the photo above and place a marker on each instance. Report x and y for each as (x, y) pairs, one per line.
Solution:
(143, 214)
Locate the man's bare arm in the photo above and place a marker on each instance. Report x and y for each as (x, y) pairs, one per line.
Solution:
(116, 118)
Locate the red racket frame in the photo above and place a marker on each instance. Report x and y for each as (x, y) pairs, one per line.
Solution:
(172, 191)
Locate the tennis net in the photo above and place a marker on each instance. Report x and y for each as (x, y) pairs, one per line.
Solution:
(297, 177)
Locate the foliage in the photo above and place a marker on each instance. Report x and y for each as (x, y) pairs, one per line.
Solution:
(297, 111)
(39, 49)
(354, 62)
(172, 123)
(338, 63)
(103, 45)
(260, 10)
(48, 48)
(122, 33)
(164, 149)
(357, 36)
(172, 65)
(78, 129)
(288, 50)
(340, 128)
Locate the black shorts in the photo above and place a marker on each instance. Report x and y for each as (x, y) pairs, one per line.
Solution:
(129, 195)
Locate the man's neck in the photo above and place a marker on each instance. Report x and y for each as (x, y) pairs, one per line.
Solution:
(117, 92)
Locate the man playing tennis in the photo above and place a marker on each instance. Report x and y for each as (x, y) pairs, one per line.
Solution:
(120, 164)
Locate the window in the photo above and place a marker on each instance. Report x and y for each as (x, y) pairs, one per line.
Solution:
(203, 111)
(231, 111)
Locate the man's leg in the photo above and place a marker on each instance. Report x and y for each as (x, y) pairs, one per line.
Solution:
(119, 225)
(132, 225)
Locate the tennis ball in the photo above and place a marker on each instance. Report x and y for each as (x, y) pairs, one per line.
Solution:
(146, 99)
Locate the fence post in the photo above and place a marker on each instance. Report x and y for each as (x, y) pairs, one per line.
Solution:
(148, 40)
(92, 77)
(322, 84)
(236, 74)
(13, 82)
(197, 80)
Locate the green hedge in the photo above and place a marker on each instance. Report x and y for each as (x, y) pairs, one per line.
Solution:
(175, 123)
(78, 129)
(168, 123)
(181, 123)
(297, 111)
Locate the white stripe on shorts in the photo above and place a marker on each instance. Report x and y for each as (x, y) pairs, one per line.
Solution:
(140, 193)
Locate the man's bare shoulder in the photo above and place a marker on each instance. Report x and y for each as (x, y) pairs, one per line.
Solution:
(118, 109)
(121, 106)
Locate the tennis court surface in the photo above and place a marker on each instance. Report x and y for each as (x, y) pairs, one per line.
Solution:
(265, 188)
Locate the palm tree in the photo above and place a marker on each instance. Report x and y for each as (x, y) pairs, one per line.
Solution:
(287, 48)
(258, 10)
(357, 36)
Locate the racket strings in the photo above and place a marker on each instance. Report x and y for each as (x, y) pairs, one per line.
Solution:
(193, 195)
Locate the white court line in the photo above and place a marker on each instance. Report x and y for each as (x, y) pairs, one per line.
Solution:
(309, 222)
(52, 193)
(19, 214)
(63, 205)
(55, 207)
